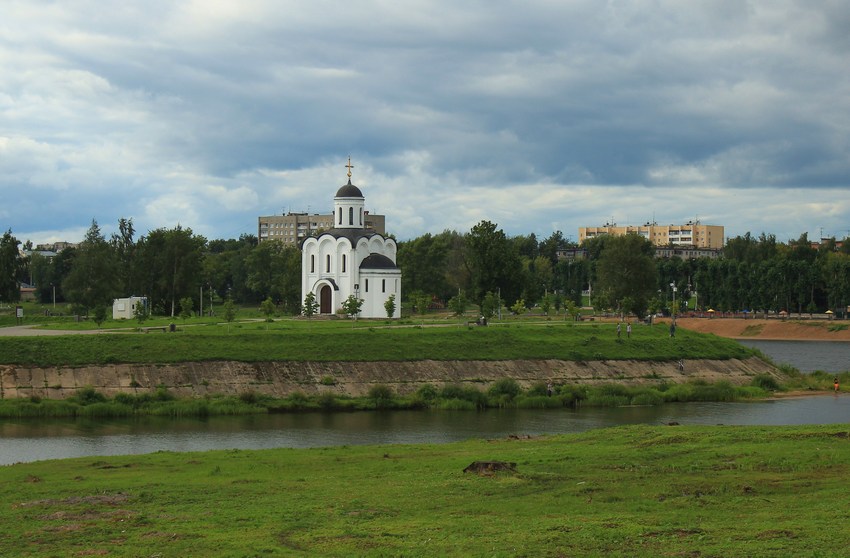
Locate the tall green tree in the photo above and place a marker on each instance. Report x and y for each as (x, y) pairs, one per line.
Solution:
(124, 247)
(428, 264)
(171, 261)
(93, 279)
(12, 265)
(41, 276)
(274, 270)
(626, 274)
(494, 263)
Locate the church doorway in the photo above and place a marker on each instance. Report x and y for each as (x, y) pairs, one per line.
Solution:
(325, 300)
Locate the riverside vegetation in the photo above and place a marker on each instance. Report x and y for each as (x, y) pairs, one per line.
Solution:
(305, 340)
(624, 491)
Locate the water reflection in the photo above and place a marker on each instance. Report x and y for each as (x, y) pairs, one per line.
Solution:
(22, 440)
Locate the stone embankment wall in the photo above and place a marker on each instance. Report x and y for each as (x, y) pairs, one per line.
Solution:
(280, 379)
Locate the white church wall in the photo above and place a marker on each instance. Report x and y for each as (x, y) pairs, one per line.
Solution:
(381, 285)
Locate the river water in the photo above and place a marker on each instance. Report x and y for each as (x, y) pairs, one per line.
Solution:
(806, 356)
(28, 440)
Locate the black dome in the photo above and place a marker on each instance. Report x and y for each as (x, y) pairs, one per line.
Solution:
(377, 261)
(349, 191)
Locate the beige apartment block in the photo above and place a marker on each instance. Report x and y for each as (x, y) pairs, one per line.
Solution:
(292, 228)
(690, 234)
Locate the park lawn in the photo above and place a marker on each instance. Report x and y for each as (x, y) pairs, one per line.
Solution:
(625, 491)
(357, 341)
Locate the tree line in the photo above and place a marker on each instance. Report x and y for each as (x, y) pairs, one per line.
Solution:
(482, 267)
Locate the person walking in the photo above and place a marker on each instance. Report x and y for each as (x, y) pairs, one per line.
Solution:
(629, 330)
(618, 330)
(673, 329)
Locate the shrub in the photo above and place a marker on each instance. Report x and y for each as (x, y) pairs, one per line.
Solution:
(88, 395)
(381, 395)
(766, 382)
(327, 401)
(614, 390)
(721, 391)
(125, 399)
(427, 392)
(505, 389)
(162, 394)
(538, 388)
(471, 394)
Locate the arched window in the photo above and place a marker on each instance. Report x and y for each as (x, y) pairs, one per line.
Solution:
(367, 285)
(312, 263)
(340, 215)
(350, 215)
(361, 216)
(383, 285)
(328, 263)
(343, 263)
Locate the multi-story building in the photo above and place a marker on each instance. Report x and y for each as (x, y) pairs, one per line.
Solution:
(690, 234)
(292, 228)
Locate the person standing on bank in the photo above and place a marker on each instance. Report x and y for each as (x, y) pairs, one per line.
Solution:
(618, 330)
(835, 384)
(673, 329)
(629, 330)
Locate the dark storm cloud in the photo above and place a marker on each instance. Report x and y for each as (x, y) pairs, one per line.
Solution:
(540, 116)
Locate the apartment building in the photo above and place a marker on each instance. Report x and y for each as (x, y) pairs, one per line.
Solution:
(292, 228)
(690, 234)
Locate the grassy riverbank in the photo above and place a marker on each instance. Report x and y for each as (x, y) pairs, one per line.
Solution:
(627, 491)
(301, 340)
(505, 393)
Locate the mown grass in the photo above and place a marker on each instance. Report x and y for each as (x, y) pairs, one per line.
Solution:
(295, 340)
(625, 491)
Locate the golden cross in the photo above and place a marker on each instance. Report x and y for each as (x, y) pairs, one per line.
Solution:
(350, 166)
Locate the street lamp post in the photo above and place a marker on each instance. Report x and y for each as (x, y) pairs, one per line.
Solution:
(54, 295)
(673, 286)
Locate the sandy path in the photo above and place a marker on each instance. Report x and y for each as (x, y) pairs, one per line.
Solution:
(737, 328)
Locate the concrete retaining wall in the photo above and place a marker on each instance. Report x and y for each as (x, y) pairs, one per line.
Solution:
(355, 378)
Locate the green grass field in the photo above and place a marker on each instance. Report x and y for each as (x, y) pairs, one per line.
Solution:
(626, 491)
(347, 340)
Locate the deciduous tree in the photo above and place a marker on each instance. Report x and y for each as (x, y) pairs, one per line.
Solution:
(627, 273)
(93, 278)
(11, 268)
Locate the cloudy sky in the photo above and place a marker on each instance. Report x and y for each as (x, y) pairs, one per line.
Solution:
(537, 115)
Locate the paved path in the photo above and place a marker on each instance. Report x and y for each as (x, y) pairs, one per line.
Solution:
(31, 331)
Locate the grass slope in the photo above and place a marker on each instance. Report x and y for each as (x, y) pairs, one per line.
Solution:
(334, 341)
(627, 491)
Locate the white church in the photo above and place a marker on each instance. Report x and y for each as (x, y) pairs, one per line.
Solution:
(350, 259)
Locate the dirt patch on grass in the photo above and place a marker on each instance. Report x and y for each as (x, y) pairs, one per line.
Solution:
(792, 330)
(98, 499)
